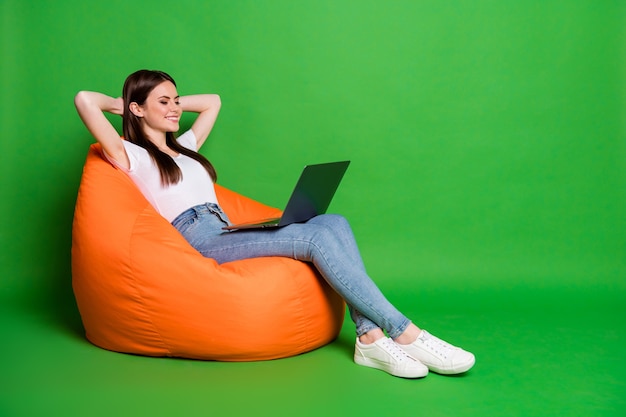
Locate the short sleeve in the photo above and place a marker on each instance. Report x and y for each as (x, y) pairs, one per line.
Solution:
(188, 140)
(132, 158)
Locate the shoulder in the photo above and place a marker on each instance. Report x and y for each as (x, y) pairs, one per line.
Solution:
(188, 140)
(137, 156)
(131, 148)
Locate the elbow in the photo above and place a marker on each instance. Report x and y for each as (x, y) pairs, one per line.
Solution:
(81, 99)
(217, 101)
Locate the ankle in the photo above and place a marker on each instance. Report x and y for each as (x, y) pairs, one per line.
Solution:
(371, 336)
(409, 335)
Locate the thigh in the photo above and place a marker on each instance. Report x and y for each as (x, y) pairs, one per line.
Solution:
(325, 234)
(287, 241)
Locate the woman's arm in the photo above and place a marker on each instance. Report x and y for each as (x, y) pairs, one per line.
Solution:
(91, 107)
(207, 106)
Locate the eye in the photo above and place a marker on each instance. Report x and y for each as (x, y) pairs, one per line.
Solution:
(163, 102)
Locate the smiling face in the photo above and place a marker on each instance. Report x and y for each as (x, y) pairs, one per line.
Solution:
(161, 111)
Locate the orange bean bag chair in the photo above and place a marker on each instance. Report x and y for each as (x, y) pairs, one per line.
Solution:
(142, 289)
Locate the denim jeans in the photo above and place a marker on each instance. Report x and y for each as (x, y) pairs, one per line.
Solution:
(326, 241)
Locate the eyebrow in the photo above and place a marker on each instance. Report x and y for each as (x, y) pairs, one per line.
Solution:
(168, 97)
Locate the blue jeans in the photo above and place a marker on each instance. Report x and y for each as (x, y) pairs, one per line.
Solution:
(326, 241)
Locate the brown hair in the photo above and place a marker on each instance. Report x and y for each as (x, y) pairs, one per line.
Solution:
(137, 87)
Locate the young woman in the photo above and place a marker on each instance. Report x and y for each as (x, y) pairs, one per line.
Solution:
(179, 183)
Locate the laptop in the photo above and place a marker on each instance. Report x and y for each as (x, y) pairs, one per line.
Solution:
(311, 196)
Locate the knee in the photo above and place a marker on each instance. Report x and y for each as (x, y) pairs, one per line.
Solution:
(333, 221)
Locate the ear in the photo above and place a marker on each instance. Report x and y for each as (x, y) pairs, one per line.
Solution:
(135, 109)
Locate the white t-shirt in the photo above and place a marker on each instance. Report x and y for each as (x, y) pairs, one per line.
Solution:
(195, 187)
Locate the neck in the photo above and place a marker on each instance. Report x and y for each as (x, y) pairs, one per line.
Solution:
(158, 138)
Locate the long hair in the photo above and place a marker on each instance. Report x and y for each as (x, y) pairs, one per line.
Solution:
(137, 87)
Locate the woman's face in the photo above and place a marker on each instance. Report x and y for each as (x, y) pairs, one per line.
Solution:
(161, 111)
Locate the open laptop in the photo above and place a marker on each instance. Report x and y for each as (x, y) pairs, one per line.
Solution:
(311, 196)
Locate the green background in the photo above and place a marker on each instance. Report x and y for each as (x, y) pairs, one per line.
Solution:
(487, 192)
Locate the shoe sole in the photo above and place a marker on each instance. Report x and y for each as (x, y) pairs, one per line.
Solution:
(459, 369)
(376, 365)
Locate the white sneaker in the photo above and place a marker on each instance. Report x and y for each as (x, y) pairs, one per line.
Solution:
(439, 356)
(384, 354)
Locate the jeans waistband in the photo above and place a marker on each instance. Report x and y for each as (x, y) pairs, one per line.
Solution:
(198, 210)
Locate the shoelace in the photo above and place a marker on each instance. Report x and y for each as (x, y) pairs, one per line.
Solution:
(436, 345)
(396, 351)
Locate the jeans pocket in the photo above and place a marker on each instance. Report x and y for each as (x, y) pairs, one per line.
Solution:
(185, 224)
